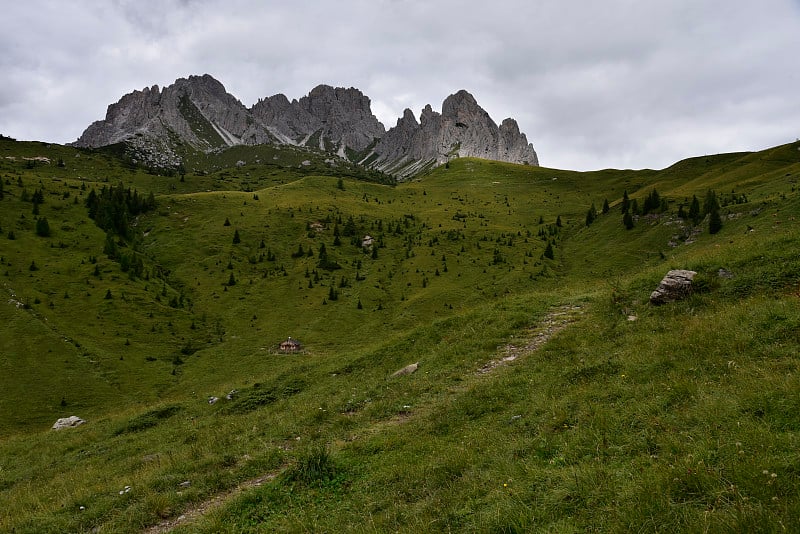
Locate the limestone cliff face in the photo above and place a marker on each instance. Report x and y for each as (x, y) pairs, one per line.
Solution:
(345, 115)
(197, 111)
(328, 119)
(463, 129)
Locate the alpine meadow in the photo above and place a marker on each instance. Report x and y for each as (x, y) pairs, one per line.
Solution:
(476, 350)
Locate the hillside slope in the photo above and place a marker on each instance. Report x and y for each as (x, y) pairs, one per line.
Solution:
(612, 414)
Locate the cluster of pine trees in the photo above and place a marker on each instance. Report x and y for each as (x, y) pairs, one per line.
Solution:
(113, 208)
(655, 203)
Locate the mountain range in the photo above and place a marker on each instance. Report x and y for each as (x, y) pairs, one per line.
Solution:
(158, 126)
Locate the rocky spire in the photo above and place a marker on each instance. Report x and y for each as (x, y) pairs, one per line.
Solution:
(463, 129)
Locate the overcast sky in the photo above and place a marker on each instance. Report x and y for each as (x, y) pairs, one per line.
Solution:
(617, 83)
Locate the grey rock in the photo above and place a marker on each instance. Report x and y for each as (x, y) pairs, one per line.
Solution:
(68, 422)
(724, 273)
(676, 285)
(407, 370)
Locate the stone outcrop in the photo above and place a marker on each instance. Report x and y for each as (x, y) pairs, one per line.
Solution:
(676, 285)
(329, 119)
(68, 422)
(462, 129)
(156, 125)
(407, 370)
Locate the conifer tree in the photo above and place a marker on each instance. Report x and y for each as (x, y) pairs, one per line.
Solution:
(627, 220)
(711, 207)
(591, 215)
(714, 221)
(694, 211)
(710, 203)
(42, 227)
(236, 238)
(548, 252)
(605, 206)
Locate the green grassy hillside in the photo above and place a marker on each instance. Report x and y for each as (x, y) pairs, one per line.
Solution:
(550, 394)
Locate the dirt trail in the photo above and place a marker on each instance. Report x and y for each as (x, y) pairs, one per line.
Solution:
(558, 319)
(534, 337)
(204, 507)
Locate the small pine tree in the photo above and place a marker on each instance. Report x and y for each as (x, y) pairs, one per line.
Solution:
(548, 252)
(605, 206)
(558, 221)
(694, 211)
(232, 280)
(627, 220)
(33, 266)
(710, 203)
(110, 248)
(340, 184)
(714, 221)
(625, 205)
(42, 226)
(108, 296)
(359, 305)
(236, 238)
(591, 215)
(227, 222)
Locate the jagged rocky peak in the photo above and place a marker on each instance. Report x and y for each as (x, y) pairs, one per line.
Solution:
(463, 129)
(197, 109)
(158, 124)
(462, 108)
(345, 115)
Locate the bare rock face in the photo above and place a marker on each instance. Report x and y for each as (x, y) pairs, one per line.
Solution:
(676, 285)
(463, 129)
(328, 119)
(345, 114)
(197, 111)
(286, 120)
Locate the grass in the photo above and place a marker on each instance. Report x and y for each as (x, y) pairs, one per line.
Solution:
(684, 419)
